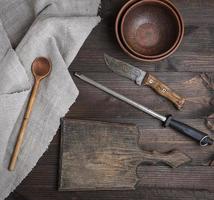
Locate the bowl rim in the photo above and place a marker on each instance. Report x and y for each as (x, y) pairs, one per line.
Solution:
(143, 58)
(134, 6)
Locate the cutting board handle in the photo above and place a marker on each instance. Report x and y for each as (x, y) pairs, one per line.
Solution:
(173, 158)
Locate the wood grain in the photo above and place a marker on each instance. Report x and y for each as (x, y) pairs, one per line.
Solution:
(189, 85)
(105, 156)
(164, 90)
(181, 72)
(23, 128)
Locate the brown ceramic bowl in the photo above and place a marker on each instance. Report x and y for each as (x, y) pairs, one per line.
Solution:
(149, 30)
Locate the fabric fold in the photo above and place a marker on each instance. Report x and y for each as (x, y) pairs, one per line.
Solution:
(57, 33)
(13, 77)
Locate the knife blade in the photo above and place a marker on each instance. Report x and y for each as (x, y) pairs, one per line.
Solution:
(141, 77)
(168, 121)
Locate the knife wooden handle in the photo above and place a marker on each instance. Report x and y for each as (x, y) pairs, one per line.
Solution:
(164, 90)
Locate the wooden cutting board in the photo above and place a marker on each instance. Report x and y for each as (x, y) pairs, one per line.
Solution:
(105, 156)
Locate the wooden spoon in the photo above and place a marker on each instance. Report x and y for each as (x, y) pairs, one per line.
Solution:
(41, 68)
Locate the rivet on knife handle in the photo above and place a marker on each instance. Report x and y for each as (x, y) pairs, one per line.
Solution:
(164, 90)
(203, 138)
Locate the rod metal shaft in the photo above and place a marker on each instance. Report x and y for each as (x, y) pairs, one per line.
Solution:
(121, 97)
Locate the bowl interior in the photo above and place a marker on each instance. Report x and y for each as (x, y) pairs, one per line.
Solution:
(150, 28)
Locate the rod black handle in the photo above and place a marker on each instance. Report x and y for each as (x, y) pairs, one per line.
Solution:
(187, 130)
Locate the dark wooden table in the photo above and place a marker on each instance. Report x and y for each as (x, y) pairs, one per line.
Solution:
(182, 72)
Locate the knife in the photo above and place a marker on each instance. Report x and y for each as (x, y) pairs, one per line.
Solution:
(140, 77)
(168, 121)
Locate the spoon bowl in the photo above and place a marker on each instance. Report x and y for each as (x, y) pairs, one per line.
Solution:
(41, 68)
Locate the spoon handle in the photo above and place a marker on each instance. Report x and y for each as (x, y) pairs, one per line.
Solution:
(21, 134)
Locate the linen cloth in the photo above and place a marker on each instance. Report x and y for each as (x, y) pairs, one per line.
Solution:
(55, 29)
